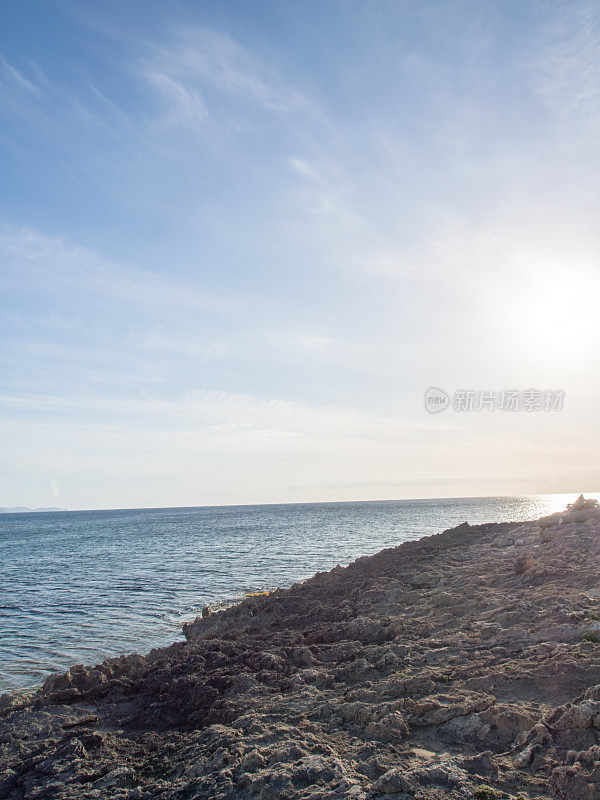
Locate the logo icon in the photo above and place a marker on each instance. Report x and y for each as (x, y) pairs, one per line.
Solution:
(436, 400)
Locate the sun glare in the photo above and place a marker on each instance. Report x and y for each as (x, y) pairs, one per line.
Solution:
(560, 319)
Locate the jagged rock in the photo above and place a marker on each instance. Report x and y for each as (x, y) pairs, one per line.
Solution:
(579, 715)
(445, 774)
(391, 782)
(582, 504)
(524, 562)
(504, 540)
(570, 784)
(442, 708)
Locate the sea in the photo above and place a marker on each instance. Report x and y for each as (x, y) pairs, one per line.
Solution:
(77, 587)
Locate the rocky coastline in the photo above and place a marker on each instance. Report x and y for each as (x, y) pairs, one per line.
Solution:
(461, 665)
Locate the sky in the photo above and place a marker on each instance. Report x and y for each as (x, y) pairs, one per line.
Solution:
(239, 241)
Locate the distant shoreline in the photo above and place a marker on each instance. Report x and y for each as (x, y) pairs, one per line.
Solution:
(25, 510)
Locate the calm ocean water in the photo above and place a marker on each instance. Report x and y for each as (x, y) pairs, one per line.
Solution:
(79, 586)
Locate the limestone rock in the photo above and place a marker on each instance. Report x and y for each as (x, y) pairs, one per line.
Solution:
(523, 563)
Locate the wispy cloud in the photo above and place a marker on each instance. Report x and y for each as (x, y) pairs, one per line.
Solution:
(183, 104)
(226, 412)
(200, 59)
(11, 75)
(58, 264)
(566, 67)
(46, 103)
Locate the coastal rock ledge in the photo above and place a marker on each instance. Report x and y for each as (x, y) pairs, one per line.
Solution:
(462, 665)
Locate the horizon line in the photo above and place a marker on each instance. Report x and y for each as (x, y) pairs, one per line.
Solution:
(7, 509)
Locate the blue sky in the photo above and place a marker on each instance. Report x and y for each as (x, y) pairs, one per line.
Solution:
(239, 240)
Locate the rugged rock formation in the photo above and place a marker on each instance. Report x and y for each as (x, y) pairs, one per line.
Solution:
(463, 665)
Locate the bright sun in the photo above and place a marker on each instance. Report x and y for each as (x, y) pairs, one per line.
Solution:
(561, 318)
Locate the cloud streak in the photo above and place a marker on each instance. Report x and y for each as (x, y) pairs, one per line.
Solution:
(55, 263)
(202, 58)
